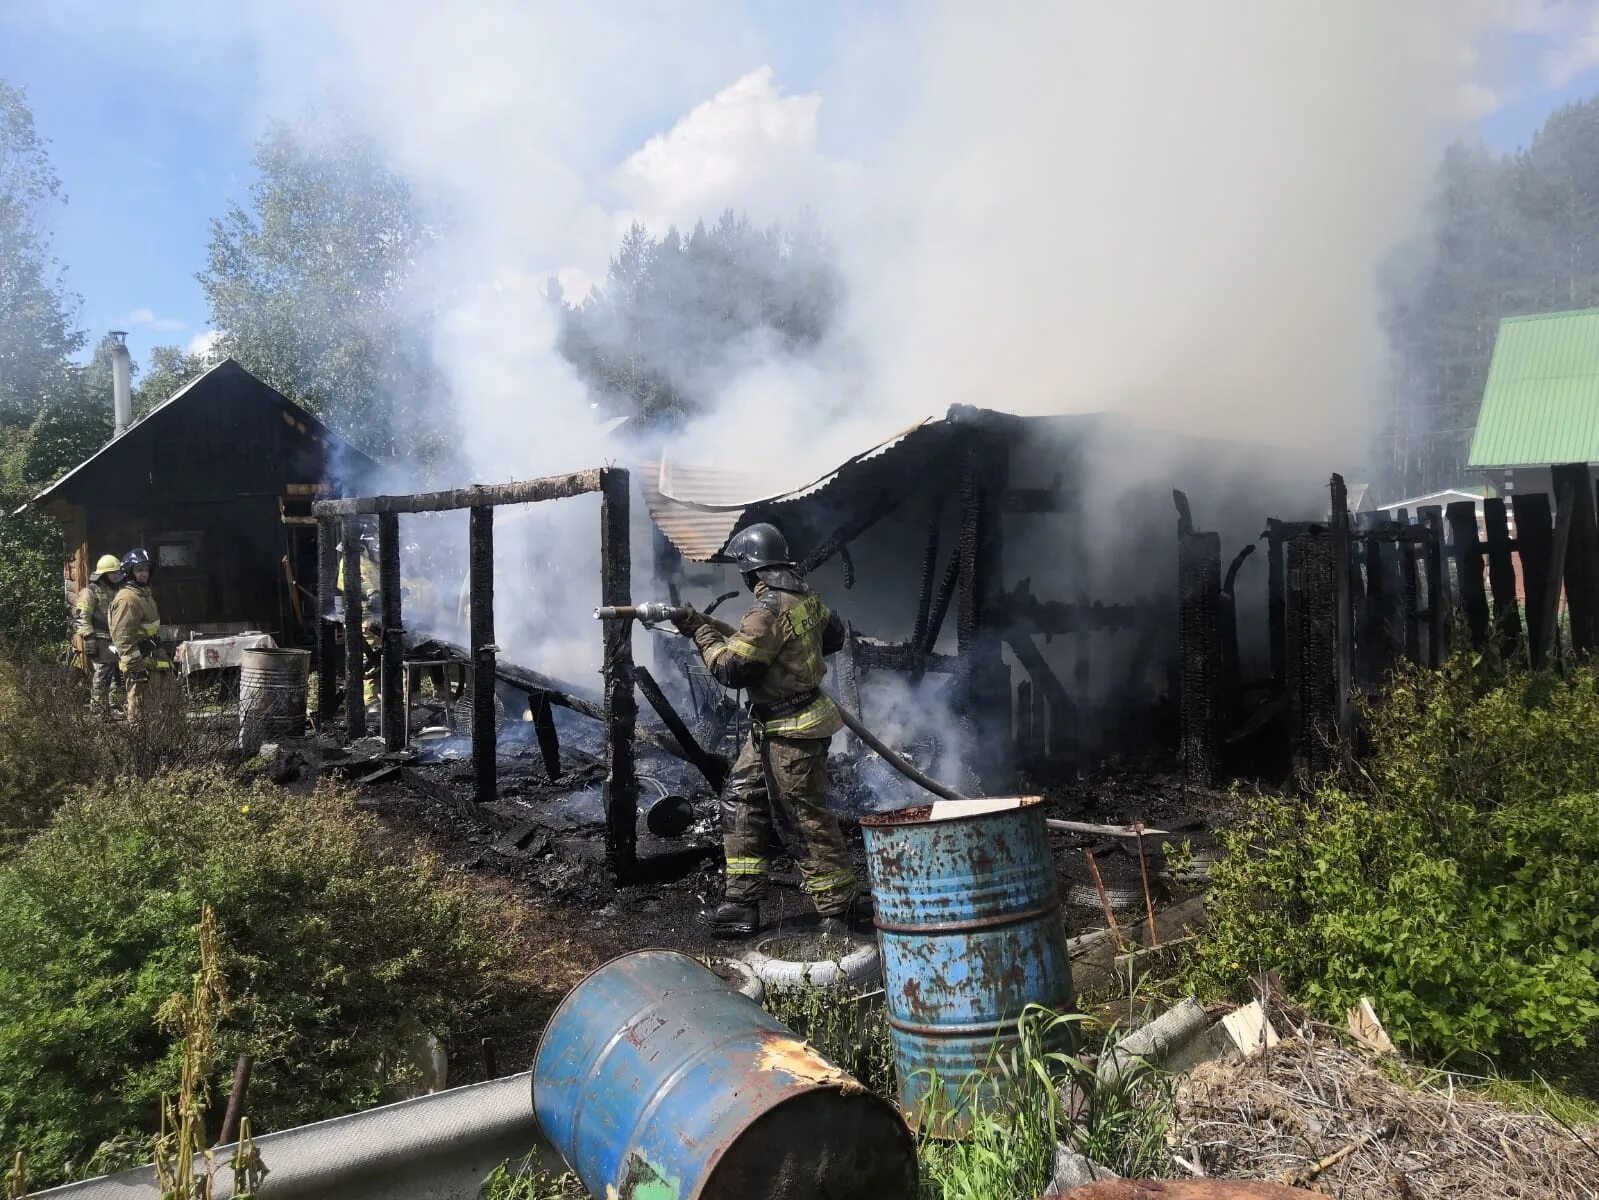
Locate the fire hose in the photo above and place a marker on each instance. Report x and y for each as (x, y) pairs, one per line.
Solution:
(655, 614)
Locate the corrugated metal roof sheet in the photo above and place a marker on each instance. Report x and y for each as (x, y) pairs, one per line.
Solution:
(1541, 402)
(698, 507)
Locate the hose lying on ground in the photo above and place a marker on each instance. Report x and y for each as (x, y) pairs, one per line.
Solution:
(890, 756)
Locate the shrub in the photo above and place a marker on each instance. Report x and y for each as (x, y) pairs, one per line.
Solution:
(1452, 880)
(332, 949)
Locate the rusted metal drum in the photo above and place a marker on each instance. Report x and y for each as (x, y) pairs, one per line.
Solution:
(1181, 1189)
(969, 921)
(656, 1081)
(272, 693)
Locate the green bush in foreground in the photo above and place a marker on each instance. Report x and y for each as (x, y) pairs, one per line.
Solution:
(1455, 880)
(332, 948)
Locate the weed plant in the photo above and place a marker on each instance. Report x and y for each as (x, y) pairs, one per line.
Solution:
(1452, 878)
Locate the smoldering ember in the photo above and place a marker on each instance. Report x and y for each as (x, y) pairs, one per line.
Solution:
(927, 602)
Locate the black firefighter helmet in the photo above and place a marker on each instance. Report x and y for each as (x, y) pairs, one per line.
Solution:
(758, 546)
(136, 558)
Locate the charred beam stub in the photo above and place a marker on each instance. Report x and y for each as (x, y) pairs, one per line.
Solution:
(480, 581)
(392, 677)
(621, 710)
(327, 574)
(354, 645)
(543, 714)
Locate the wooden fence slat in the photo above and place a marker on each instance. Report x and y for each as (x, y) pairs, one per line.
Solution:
(1582, 556)
(1535, 544)
(1502, 577)
(1467, 553)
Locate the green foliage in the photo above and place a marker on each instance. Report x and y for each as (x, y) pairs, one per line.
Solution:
(1010, 1149)
(1453, 882)
(313, 286)
(334, 948)
(677, 315)
(524, 1183)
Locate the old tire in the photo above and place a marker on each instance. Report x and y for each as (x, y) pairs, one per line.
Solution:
(859, 965)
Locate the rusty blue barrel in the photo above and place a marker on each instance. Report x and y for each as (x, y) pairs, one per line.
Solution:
(969, 922)
(656, 1081)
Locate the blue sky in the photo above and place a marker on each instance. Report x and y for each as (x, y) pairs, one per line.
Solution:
(151, 143)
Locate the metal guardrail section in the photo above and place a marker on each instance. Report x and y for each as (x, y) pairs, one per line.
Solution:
(438, 1147)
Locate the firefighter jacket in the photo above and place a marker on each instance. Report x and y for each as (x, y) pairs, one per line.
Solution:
(371, 592)
(135, 626)
(777, 655)
(93, 610)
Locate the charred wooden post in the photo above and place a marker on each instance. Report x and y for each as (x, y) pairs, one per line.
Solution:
(549, 740)
(1374, 647)
(391, 682)
(924, 598)
(354, 644)
(480, 583)
(1199, 646)
(621, 709)
(986, 694)
(327, 575)
(1227, 623)
(1311, 577)
(1276, 601)
(1502, 577)
(849, 682)
(1343, 618)
(1582, 557)
(1437, 570)
(1467, 552)
(712, 766)
(1535, 543)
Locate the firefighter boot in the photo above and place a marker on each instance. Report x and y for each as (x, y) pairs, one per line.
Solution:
(735, 919)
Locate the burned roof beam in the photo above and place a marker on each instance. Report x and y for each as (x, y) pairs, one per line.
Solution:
(526, 491)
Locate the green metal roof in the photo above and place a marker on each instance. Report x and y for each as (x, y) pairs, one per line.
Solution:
(1541, 402)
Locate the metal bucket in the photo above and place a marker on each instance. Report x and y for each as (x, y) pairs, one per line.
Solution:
(272, 695)
(969, 921)
(656, 1081)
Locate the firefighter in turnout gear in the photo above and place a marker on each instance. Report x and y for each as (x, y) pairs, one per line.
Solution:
(371, 614)
(776, 654)
(93, 628)
(135, 632)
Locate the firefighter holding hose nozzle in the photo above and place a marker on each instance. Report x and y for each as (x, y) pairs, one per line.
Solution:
(776, 654)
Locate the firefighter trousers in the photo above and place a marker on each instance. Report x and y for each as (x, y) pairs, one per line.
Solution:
(787, 776)
(149, 687)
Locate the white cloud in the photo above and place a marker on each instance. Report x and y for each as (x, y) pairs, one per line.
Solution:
(1573, 31)
(204, 342)
(747, 147)
(145, 318)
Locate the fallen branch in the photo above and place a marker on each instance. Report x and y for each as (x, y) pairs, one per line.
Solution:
(1308, 1174)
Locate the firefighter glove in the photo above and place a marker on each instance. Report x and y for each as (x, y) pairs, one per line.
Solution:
(691, 620)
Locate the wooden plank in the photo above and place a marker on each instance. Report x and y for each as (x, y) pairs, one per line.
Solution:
(1344, 630)
(1466, 550)
(549, 738)
(1276, 602)
(526, 491)
(1582, 557)
(1199, 652)
(1534, 543)
(1502, 577)
(1410, 596)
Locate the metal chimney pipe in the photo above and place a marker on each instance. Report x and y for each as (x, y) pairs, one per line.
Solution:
(121, 382)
